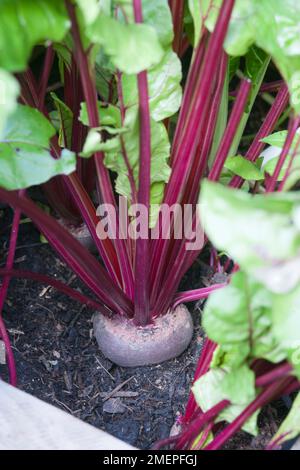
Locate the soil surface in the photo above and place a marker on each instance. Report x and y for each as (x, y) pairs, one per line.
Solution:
(59, 362)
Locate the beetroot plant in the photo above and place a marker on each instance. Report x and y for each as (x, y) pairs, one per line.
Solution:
(119, 109)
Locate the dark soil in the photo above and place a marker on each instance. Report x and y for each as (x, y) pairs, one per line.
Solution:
(58, 360)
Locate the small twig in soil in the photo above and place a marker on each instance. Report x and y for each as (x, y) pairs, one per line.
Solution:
(45, 291)
(45, 308)
(72, 278)
(68, 381)
(31, 245)
(119, 394)
(117, 388)
(49, 288)
(13, 331)
(108, 373)
(65, 406)
(153, 385)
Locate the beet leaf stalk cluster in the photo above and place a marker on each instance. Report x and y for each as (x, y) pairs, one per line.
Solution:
(116, 105)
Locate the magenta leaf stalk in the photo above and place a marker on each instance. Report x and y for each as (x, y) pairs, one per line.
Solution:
(141, 290)
(235, 118)
(202, 154)
(190, 90)
(261, 400)
(271, 86)
(202, 367)
(192, 189)
(123, 147)
(106, 190)
(293, 126)
(204, 436)
(189, 142)
(81, 199)
(177, 10)
(274, 374)
(49, 58)
(265, 87)
(275, 444)
(181, 264)
(78, 258)
(3, 293)
(198, 423)
(290, 164)
(9, 354)
(60, 286)
(201, 104)
(267, 127)
(105, 247)
(196, 294)
(194, 429)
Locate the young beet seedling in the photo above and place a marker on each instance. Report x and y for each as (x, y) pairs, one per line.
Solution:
(111, 129)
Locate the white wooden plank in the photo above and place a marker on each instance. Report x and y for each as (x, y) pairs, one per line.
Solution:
(27, 423)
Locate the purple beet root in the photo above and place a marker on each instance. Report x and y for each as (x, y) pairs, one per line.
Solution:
(127, 345)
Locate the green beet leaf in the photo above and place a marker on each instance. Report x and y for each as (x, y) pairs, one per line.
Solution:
(105, 76)
(256, 232)
(156, 13)
(65, 117)
(114, 155)
(25, 23)
(241, 32)
(109, 115)
(294, 170)
(217, 385)
(277, 140)
(25, 159)
(286, 324)
(239, 318)
(273, 25)
(160, 150)
(92, 144)
(242, 167)
(290, 428)
(90, 9)
(256, 64)
(119, 42)
(164, 87)
(198, 10)
(110, 119)
(9, 91)
(239, 385)
(95, 143)
(277, 32)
